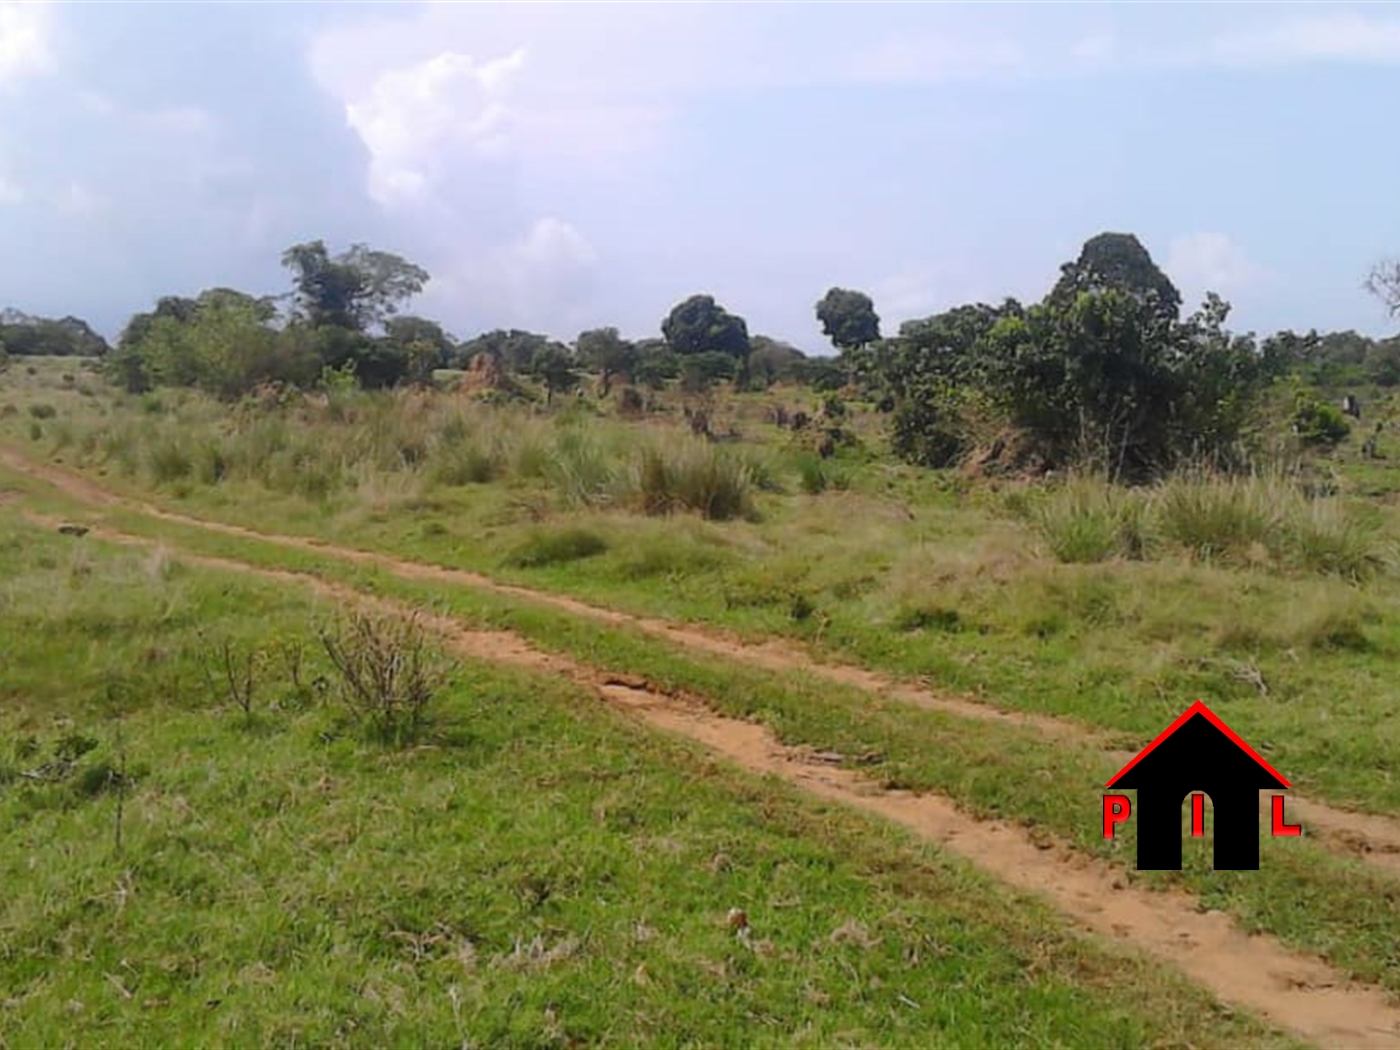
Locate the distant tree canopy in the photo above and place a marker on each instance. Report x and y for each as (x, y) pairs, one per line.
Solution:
(228, 342)
(1101, 370)
(556, 368)
(656, 365)
(603, 350)
(1117, 261)
(1104, 370)
(357, 290)
(221, 343)
(848, 318)
(773, 361)
(699, 325)
(514, 349)
(27, 336)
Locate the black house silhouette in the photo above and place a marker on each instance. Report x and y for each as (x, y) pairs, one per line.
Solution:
(1198, 752)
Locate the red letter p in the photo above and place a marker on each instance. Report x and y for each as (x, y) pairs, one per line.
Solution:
(1116, 809)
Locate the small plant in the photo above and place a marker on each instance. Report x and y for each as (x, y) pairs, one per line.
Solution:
(813, 474)
(234, 674)
(387, 677)
(43, 410)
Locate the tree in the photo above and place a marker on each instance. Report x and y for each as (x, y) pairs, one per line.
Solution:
(1384, 283)
(1117, 261)
(412, 334)
(223, 345)
(24, 335)
(848, 318)
(356, 290)
(554, 367)
(699, 325)
(656, 364)
(700, 372)
(515, 349)
(606, 351)
(772, 361)
(1383, 363)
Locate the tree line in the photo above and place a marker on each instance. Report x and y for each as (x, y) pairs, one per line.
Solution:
(1104, 367)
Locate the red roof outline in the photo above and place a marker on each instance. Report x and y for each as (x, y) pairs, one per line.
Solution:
(1198, 708)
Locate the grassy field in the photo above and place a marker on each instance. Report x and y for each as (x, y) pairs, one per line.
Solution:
(338, 906)
(537, 871)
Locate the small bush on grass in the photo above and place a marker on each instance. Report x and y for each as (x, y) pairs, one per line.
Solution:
(555, 548)
(386, 673)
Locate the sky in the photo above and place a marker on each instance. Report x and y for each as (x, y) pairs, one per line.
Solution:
(559, 167)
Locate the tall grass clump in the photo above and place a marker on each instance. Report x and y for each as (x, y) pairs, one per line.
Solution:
(1088, 520)
(1224, 518)
(1321, 537)
(580, 470)
(688, 475)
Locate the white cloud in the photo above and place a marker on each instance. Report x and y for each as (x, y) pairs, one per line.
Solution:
(1201, 262)
(540, 280)
(11, 192)
(24, 40)
(938, 58)
(1342, 36)
(416, 119)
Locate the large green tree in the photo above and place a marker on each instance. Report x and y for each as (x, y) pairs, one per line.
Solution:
(848, 318)
(356, 290)
(699, 325)
(1117, 261)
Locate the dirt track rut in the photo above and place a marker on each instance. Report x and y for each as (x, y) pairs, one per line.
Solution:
(1291, 991)
(1371, 838)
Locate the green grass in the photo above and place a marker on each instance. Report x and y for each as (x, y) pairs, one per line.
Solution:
(1351, 914)
(543, 872)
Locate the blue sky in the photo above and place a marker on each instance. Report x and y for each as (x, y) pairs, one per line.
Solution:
(557, 167)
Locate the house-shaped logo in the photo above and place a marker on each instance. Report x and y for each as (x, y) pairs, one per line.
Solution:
(1197, 753)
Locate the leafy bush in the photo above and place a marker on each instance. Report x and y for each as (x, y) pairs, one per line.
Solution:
(1318, 422)
(924, 435)
(43, 410)
(556, 547)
